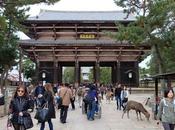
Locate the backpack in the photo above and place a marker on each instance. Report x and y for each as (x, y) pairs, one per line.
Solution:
(88, 99)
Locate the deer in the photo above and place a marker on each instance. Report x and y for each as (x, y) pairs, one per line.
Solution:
(138, 107)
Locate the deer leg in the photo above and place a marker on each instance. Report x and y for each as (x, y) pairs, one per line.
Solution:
(123, 114)
(140, 115)
(137, 115)
(128, 113)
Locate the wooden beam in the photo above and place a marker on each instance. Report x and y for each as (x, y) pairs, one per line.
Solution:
(83, 27)
(89, 55)
(88, 50)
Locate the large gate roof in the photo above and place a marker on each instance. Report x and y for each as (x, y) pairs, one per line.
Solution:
(50, 15)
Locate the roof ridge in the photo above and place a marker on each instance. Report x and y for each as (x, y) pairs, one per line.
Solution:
(79, 11)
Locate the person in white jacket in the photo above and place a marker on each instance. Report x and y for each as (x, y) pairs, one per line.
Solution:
(124, 96)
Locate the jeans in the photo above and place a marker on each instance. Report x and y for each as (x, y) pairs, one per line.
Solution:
(168, 126)
(73, 103)
(96, 107)
(91, 111)
(50, 125)
(18, 127)
(119, 102)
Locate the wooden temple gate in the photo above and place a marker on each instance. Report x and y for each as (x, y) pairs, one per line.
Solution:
(60, 38)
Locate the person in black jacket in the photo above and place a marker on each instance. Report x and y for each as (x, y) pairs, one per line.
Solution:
(39, 92)
(18, 108)
(118, 90)
(49, 98)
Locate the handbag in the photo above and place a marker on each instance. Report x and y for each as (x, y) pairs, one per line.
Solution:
(42, 113)
(9, 124)
(28, 123)
(60, 100)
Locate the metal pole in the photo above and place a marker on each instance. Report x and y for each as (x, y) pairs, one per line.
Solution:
(156, 98)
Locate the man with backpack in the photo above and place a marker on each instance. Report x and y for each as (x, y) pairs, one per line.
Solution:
(91, 98)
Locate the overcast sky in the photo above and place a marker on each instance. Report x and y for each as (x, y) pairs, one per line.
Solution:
(78, 5)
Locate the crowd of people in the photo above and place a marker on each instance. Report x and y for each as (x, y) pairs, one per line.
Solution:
(90, 95)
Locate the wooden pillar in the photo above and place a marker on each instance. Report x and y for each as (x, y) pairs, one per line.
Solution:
(55, 77)
(114, 73)
(137, 73)
(59, 73)
(37, 70)
(118, 72)
(94, 74)
(79, 74)
(97, 73)
(76, 73)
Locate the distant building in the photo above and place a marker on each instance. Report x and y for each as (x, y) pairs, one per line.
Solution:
(85, 74)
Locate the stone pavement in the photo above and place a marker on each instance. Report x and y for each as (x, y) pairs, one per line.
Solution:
(111, 119)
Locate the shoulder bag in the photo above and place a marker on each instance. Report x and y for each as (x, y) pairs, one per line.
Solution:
(42, 113)
(60, 100)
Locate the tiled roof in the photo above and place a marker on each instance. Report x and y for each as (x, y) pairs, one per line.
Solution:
(50, 15)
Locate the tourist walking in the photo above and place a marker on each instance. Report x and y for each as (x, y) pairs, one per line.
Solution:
(66, 94)
(49, 101)
(108, 95)
(55, 88)
(124, 97)
(166, 113)
(73, 97)
(118, 90)
(39, 92)
(80, 95)
(102, 90)
(92, 98)
(18, 109)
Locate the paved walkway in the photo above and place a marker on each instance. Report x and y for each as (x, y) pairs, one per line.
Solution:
(111, 119)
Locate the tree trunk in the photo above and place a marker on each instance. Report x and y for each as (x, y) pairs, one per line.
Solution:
(160, 65)
(4, 78)
(3, 85)
(159, 59)
(1, 82)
